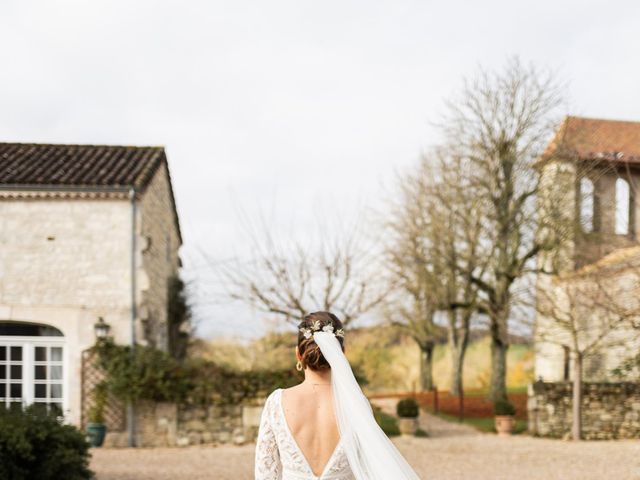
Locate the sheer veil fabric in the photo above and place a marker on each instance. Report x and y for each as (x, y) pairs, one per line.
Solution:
(371, 454)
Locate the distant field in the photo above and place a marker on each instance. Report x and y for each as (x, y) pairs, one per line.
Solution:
(396, 364)
(388, 359)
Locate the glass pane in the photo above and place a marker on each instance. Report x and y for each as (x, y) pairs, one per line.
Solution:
(41, 354)
(16, 372)
(16, 353)
(3, 372)
(41, 372)
(56, 354)
(41, 390)
(3, 391)
(56, 372)
(3, 353)
(56, 408)
(56, 390)
(16, 390)
(24, 329)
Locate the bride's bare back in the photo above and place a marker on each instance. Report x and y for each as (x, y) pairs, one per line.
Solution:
(308, 410)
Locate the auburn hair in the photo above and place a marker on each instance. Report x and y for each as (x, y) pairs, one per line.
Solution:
(310, 353)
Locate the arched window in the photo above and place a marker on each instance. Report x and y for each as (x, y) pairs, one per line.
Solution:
(586, 205)
(32, 366)
(28, 329)
(622, 206)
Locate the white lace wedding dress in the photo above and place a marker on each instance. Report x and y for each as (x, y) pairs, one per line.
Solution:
(363, 452)
(278, 456)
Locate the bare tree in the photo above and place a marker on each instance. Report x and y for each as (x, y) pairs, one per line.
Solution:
(456, 229)
(435, 237)
(413, 271)
(289, 279)
(588, 312)
(500, 123)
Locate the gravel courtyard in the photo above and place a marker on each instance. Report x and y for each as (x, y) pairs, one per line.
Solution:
(452, 452)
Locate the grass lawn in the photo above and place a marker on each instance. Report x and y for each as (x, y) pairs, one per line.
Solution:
(483, 424)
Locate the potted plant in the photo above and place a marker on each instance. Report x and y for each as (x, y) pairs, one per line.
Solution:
(408, 411)
(504, 413)
(96, 428)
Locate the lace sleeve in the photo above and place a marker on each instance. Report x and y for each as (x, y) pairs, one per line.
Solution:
(268, 466)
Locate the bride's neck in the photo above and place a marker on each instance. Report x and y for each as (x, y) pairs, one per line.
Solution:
(319, 376)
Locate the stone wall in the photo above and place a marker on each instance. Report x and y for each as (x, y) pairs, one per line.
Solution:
(65, 260)
(159, 255)
(169, 425)
(609, 410)
(64, 263)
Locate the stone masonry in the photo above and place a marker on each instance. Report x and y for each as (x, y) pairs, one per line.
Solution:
(161, 239)
(609, 410)
(170, 425)
(65, 261)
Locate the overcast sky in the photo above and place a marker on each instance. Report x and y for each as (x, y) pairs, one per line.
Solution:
(292, 106)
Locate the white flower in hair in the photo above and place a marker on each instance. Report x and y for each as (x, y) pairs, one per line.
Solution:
(340, 333)
(316, 326)
(306, 332)
(328, 328)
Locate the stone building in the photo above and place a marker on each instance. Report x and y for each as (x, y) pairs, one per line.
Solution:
(86, 232)
(590, 175)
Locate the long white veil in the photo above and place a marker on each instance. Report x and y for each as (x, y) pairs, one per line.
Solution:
(371, 454)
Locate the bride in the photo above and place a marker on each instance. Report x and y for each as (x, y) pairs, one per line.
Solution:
(323, 428)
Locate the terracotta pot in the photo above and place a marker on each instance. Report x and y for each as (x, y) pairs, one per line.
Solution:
(504, 425)
(408, 426)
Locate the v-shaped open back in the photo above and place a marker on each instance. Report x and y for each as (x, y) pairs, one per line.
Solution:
(305, 456)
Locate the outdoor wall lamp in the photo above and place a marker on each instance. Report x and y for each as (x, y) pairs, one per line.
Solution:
(101, 328)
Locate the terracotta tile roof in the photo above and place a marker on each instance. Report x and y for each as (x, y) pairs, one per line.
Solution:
(71, 171)
(596, 139)
(27, 164)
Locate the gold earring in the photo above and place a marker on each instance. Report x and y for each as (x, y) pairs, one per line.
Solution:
(299, 366)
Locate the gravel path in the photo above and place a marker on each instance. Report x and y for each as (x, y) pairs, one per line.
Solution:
(452, 452)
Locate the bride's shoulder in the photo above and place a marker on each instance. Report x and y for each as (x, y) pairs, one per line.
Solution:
(274, 396)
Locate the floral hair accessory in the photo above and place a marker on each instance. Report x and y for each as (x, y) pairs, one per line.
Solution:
(317, 327)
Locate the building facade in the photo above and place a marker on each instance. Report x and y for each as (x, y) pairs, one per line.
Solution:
(86, 232)
(590, 175)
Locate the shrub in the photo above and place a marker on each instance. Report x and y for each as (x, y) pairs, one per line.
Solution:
(407, 408)
(35, 444)
(504, 407)
(388, 424)
(96, 411)
(146, 373)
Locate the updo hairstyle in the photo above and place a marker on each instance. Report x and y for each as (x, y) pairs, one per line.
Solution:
(310, 353)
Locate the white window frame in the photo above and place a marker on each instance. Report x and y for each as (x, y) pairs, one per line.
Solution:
(623, 205)
(587, 203)
(29, 345)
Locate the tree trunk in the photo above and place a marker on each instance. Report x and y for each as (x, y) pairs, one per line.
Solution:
(426, 366)
(456, 372)
(499, 347)
(498, 370)
(576, 428)
(458, 341)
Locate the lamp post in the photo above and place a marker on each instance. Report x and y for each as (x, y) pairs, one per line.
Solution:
(101, 328)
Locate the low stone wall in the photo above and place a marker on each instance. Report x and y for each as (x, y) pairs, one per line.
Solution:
(609, 410)
(169, 424)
